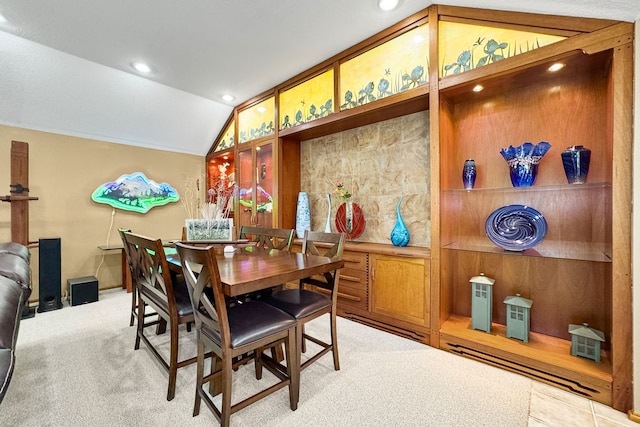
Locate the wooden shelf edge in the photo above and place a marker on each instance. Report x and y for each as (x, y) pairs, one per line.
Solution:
(544, 358)
(402, 104)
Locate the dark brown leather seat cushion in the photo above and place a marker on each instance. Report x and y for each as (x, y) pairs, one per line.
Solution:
(299, 302)
(10, 311)
(15, 268)
(15, 249)
(11, 303)
(250, 322)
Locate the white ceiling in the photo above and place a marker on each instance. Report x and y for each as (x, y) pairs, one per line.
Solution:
(206, 48)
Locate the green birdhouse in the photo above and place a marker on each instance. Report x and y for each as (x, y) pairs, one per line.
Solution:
(518, 317)
(481, 298)
(585, 341)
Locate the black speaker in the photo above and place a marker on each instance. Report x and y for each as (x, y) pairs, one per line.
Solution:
(50, 273)
(82, 290)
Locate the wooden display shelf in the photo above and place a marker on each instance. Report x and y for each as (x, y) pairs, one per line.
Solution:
(543, 358)
(580, 251)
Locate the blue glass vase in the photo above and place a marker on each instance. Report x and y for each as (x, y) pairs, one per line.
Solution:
(400, 233)
(469, 174)
(575, 160)
(523, 162)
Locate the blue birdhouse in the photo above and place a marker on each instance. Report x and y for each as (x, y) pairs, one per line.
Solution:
(518, 317)
(585, 341)
(481, 302)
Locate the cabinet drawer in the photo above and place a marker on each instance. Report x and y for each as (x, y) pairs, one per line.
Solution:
(354, 278)
(353, 297)
(355, 260)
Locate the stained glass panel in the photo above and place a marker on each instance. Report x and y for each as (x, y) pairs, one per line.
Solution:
(228, 138)
(307, 101)
(393, 67)
(257, 121)
(463, 47)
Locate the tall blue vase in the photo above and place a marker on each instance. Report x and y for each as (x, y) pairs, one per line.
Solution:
(469, 174)
(400, 233)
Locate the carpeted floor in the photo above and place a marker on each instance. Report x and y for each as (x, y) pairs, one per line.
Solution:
(77, 367)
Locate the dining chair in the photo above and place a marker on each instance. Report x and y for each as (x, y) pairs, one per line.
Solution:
(134, 289)
(314, 296)
(269, 238)
(232, 330)
(166, 293)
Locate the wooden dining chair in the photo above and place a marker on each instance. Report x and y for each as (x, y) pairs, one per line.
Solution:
(165, 293)
(134, 289)
(232, 330)
(269, 238)
(314, 296)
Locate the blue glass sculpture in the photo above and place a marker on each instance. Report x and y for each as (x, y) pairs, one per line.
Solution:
(523, 162)
(400, 233)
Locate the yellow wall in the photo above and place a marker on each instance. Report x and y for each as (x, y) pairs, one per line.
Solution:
(63, 172)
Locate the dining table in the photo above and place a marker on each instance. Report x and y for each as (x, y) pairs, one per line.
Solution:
(249, 268)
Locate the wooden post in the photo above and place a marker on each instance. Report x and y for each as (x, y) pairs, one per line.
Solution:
(19, 197)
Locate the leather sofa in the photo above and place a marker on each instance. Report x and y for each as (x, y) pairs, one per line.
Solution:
(15, 288)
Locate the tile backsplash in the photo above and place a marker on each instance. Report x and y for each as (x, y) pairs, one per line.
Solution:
(378, 164)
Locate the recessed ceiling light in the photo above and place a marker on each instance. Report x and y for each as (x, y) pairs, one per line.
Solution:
(227, 97)
(141, 67)
(478, 88)
(387, 5)
(556, 67)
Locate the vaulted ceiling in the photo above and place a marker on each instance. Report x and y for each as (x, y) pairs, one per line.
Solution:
(66, 64)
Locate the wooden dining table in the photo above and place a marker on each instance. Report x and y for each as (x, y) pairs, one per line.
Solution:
(250, 268)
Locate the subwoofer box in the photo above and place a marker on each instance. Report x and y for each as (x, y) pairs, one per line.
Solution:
(82, 290)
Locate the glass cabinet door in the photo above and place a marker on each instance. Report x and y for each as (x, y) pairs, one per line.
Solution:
(255, 185)
(245, 187)
(264, 185)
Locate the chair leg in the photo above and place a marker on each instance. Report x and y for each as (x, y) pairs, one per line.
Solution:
(298, 345)
(227, 370)
(293, 369)
(334, 342)
(140, 327)
(303, 344)
(258, 362)
(134, 304)
(199, 377)
(173, 361)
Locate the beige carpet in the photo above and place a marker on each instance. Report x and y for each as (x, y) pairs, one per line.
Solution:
(77, 367)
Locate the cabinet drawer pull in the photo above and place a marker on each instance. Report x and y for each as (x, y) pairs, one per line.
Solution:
(340, 295)
(350, 278)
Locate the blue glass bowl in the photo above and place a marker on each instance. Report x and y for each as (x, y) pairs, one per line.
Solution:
(516, 227)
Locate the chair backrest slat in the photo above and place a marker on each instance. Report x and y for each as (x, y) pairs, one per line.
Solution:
(333, 248)
(150, 270)
(269, 238)
(201, 272)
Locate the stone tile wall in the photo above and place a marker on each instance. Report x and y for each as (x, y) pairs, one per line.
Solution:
(378, 164)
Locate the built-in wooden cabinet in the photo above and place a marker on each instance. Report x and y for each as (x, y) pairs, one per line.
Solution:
(573, 275)
(387, 287)
(580, 272)
(400, 288)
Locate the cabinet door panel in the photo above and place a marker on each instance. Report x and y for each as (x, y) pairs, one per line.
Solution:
(399, 288)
